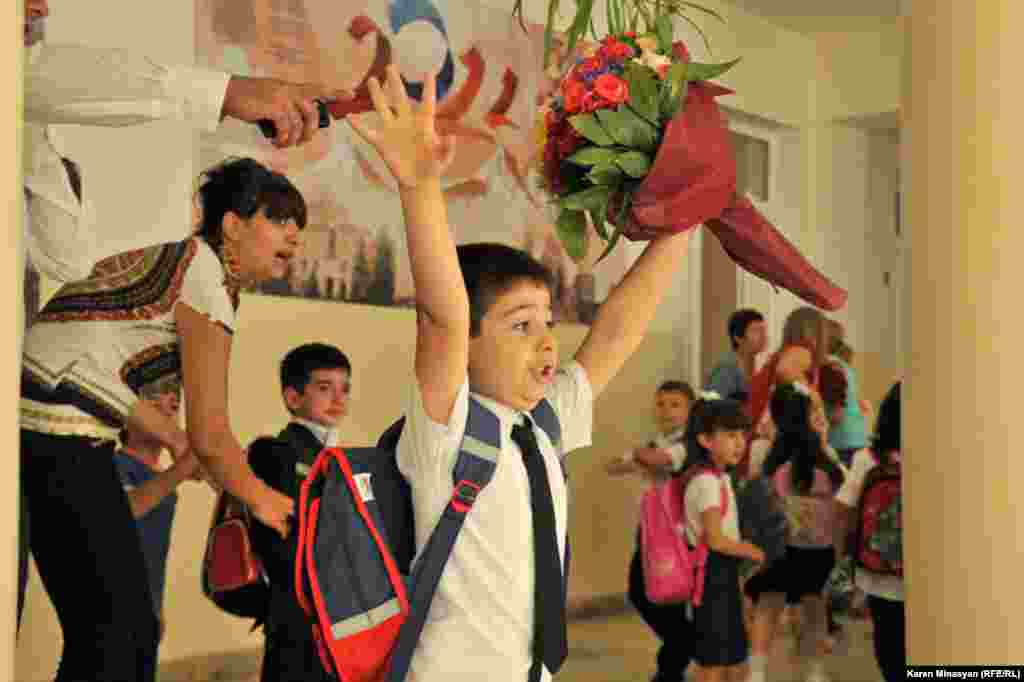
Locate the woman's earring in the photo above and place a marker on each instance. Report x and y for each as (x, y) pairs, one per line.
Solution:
(229, 257)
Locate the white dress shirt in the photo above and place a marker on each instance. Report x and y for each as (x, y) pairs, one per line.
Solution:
(101, 87)
(480, 625)
(328, 437)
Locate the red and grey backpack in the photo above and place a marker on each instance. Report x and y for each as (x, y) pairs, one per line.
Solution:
(878, 536)
(366, 598)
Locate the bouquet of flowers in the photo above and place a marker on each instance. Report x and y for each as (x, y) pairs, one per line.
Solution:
(634, 143)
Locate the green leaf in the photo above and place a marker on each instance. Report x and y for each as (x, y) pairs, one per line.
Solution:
(594, 156)
(705, 72)
(599, 223)
(549, 31)
(707, 10)
(643, 91)
(673, 91)
(634, 164)
(628, 129)
(590, 199)
(663, 29)
(605, 175)
(572, 231)
(589, 127)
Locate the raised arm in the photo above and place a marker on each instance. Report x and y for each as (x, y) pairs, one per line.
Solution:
(623, 319)
(205, 358)
(407, 141)
(109, 87)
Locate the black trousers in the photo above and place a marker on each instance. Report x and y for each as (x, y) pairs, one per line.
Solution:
(31, 299)
(90, 559)
(668, 622)
(889, 622)
(289, 653)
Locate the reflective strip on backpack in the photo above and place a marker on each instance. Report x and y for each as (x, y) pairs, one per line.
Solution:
(365, 621)
(475, 446)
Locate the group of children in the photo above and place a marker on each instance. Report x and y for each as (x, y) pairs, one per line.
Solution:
(484, 331)
(820, 495)
(485, 334)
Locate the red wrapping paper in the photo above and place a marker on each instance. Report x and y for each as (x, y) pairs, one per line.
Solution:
(693, 181)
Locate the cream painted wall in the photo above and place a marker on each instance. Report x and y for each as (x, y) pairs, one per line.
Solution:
(862, 70)
(141, 183)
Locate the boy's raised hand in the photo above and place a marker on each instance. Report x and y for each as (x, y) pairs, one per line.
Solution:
(406, 137)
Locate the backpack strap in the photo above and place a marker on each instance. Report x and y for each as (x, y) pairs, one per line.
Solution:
(474, 468)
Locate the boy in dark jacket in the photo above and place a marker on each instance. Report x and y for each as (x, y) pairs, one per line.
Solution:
(315, 385)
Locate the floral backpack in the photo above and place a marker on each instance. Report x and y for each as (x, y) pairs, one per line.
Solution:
(878, 544)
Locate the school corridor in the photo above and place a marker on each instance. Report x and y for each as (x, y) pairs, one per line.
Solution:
(617, 648)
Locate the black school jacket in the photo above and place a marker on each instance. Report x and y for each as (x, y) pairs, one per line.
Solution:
(282, 463)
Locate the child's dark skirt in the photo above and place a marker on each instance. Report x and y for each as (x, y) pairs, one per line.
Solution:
(721, 636)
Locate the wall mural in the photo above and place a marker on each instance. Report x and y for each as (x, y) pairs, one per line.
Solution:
(490, 84)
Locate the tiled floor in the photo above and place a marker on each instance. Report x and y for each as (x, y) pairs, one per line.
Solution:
(615, 649)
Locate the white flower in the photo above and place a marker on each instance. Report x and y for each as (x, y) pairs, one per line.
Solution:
(656, 61)
(646, 44)
(802, 388)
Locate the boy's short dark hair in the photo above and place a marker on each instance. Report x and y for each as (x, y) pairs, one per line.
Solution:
(678, 387)
(489, 270)
(709, 416)
(298, 365)
(738, 323)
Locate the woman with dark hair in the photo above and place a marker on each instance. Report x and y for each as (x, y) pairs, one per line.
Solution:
(872, 469)
(805, 344)
(166, 312)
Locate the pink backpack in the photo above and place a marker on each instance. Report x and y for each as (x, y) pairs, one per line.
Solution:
(673, 572)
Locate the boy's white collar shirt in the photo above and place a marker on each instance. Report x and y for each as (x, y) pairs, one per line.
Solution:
(672, 443)
(328, 437)
(480, 625)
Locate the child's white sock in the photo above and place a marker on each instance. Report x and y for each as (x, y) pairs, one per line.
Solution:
(816, 671)
(758, 665)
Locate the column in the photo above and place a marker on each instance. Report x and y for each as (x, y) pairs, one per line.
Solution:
(965, 377)
(12, 315)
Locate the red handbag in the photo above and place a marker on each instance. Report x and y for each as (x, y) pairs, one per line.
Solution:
(233, 575)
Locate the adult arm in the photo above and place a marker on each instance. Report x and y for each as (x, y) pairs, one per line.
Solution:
(205, 356)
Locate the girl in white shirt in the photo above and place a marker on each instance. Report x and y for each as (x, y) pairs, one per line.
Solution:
(716, 440)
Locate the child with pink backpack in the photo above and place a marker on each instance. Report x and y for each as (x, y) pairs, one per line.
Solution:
(716, 442)
(663, 456)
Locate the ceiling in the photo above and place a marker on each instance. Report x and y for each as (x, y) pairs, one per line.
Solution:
(813, 16)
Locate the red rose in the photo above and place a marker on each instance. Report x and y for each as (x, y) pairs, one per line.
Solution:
(612, 88)
(680, 53)
(631, 34)
(591, 64)
(573, 92)
(592, 102)
(614, 50)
